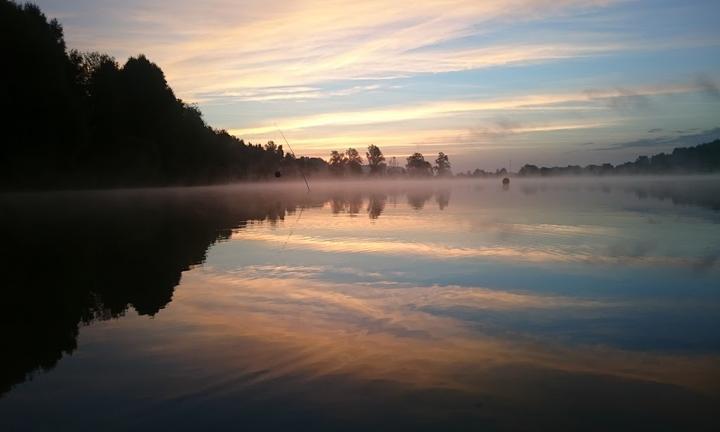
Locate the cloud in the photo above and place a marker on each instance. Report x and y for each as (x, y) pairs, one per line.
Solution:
(204, 74)
(666, 141)
(221, 46)
(502, 128)
(308, 65)
(708, 86)
(572, 101)
(284, 93)
(623, 99)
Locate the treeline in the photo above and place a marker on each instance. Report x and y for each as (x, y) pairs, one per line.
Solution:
(480, 173)
(82, 119)
(78, 119)
(350, 164)
(703, 158)
(75, 119)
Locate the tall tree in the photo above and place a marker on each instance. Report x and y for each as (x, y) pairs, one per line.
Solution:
(442, 165)
(43, 115)
(83, 120)
(337, 163)
(354, 161)
(375, 159)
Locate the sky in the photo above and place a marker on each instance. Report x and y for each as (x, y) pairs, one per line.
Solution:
(490, 83)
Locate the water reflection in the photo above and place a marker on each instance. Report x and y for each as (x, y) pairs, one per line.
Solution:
(698, 191)
(544, 304)
(70, 259)
(376, 205)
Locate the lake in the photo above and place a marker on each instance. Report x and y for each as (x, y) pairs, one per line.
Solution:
(564, 304)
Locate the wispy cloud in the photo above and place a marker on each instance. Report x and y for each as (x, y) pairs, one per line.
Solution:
(708, 85)
(280, 94)
(683, 139)
(624, 99)
(222, 46)
(328, 71)
(436, 109)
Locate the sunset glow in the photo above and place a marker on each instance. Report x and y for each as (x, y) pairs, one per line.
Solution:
(536, 81)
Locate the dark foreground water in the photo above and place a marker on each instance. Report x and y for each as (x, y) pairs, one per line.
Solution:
(557, 305)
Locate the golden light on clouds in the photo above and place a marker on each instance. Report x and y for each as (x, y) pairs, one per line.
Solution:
(341, 73)
(285, 44)
(440, 109)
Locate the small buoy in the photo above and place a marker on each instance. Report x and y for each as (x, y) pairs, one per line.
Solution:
(506, 181)
(278, 174)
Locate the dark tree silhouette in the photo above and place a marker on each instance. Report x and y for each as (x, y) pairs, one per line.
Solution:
(354, 161)
(375, 160)
(82, 120)
(337, 163)
(417, 166)
(703, 158)
(442, 165)
(43, 116)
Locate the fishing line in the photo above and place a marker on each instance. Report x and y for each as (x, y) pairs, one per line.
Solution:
(302, 207)
(292, 229)
(293, 153)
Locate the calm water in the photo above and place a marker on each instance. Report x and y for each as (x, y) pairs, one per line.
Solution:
(569, 304)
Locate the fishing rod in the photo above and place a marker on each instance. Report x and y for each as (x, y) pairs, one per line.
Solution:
(293, 153)
(292, 229)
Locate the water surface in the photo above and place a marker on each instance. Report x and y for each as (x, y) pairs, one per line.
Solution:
(588, 304)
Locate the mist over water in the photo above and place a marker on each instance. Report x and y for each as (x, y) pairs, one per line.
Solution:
(454, 305)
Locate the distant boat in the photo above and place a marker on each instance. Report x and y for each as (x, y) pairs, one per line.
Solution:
(506, 180)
